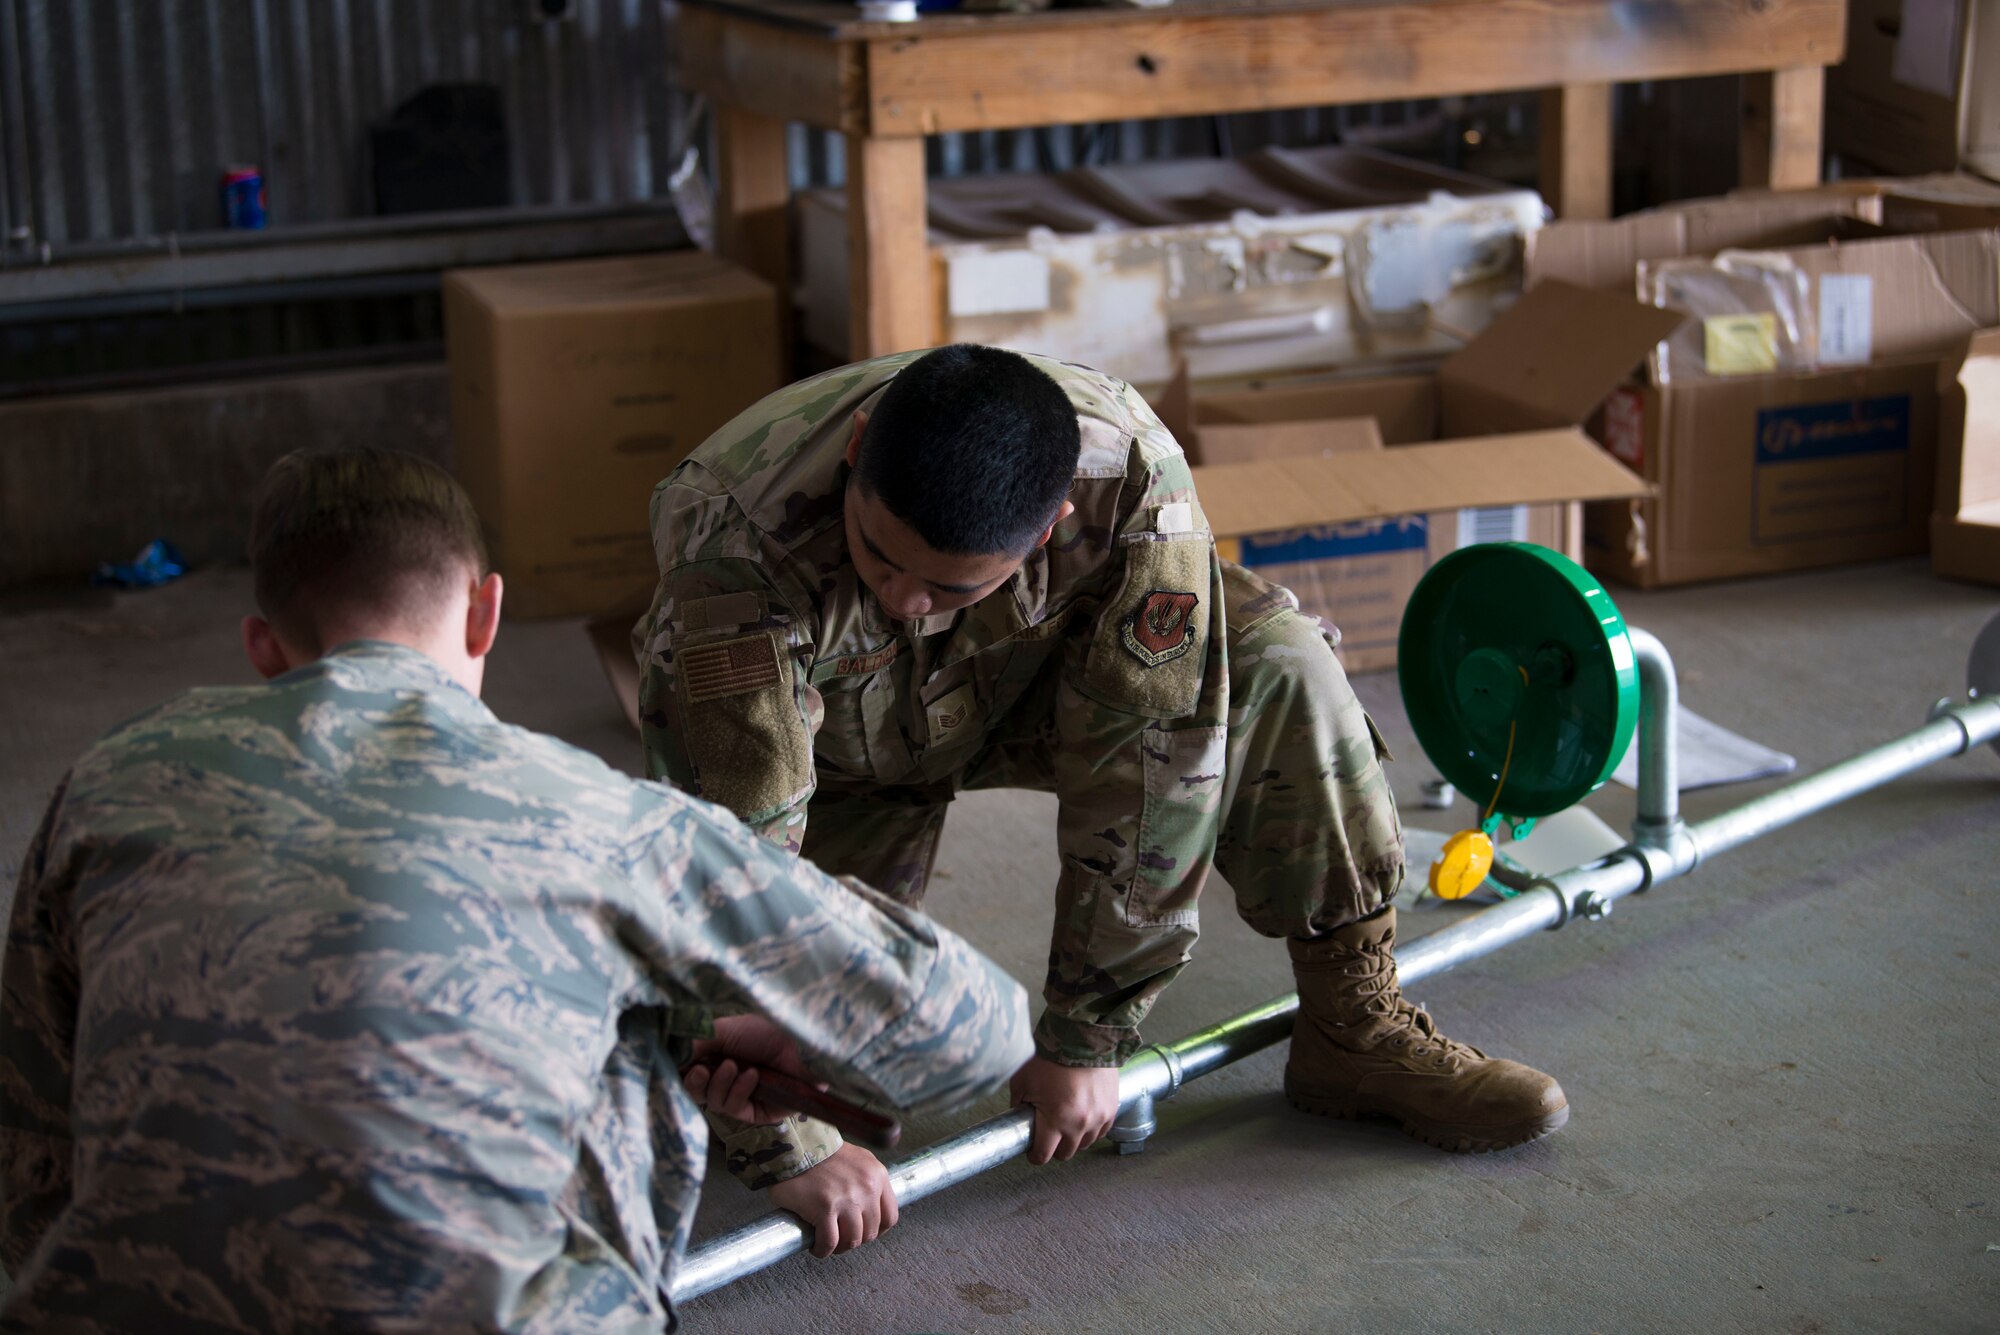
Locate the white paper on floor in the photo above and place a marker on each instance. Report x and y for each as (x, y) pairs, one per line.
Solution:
(1710, 754)
(1567, 839)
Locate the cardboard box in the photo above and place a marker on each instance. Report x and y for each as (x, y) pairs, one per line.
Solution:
(1965, 532)
(1761, 473)
(1295, 486)
(1919, 90)
(576, 387)
(1770, 473)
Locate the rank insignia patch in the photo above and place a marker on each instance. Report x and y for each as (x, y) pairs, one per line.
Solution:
(1161, 629)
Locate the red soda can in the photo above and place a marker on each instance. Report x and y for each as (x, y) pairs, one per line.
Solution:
(243, 198)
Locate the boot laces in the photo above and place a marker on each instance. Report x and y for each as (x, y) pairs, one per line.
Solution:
(1401, 1024)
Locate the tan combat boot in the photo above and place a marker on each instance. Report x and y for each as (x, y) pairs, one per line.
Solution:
(1359, 1048)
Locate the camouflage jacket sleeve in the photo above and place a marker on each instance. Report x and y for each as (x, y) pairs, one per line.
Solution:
(717, 602)
(725, 709)
(884, 1004)
(38, 1006)
(763, 1156)
(1141, 715)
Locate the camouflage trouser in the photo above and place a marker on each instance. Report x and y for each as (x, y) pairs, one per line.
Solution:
(1305, 831)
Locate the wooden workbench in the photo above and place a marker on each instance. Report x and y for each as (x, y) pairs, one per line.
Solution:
(887, 85)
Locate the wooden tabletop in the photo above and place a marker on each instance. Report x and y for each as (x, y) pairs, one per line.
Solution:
(808, 60)
(841, 21)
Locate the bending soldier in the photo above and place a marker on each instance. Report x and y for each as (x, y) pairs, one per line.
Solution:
(337, 1003)
(968, 569)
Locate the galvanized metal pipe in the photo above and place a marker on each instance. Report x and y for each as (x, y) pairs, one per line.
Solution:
(1952, 731)
(1155, 1072)
(1659, 751)
(1588, 891)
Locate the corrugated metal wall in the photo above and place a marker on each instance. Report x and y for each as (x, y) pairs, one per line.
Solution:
(120, 115)
(117, 117)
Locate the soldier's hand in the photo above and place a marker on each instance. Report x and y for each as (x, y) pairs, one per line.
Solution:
(845, 1200)
(724, 1079)
(1074, 1106)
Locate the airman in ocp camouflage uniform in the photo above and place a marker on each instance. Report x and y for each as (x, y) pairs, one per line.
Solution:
(827, 656)
(336, 1003)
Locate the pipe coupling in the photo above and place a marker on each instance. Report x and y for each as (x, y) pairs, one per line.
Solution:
(1176, 1072)
(1134, 1127)
(1665, 849)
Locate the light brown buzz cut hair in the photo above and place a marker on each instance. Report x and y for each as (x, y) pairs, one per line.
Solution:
(353, 533)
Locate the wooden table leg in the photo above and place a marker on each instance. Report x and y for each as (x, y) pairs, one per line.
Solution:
(1782, 110)
(1576, 150)
(888, 247)
(752, 223)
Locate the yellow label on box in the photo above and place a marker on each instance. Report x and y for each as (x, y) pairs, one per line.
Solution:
(1741, 344)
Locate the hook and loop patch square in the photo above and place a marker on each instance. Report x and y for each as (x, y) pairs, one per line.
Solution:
(744, 731)
(1150, 648)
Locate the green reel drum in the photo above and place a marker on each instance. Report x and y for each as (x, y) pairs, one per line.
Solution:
(1521, 684)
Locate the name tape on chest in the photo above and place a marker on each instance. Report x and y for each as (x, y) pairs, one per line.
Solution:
(858, 665)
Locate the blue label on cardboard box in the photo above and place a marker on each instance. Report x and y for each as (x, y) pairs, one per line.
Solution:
(1367, 537)
(1833, 430)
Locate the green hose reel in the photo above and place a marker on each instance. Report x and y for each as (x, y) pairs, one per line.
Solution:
(1521, 684)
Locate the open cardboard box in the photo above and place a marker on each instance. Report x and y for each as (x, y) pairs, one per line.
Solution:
(1760, 473)
(1965, 533)
(1297, 486)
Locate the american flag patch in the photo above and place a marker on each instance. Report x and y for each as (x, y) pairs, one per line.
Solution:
(731, 667)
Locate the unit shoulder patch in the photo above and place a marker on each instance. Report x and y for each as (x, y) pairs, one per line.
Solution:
(1161, 628)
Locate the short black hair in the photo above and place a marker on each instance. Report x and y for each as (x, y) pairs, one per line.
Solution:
(973, 447)
(370, 530)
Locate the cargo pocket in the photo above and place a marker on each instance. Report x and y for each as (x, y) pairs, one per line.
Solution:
(841, 744)
(745, 734)
(1185, 774)
(1151, 645)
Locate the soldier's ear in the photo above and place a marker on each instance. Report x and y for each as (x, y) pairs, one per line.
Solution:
(854, 441)
(482, 616)
(1068, 509)
(261, 647)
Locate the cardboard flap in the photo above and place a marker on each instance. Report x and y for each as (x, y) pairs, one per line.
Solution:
(1978, 460)
(1603, 254)
(1552, 357)
(1279, 440)
(1522, 469)
(611, 637)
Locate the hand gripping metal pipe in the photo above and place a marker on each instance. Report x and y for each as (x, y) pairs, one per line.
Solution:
(1663, 847)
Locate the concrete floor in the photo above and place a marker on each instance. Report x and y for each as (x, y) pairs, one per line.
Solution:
(1782, 1068)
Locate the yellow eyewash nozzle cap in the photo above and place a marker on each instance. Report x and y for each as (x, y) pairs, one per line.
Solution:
(1461, 868)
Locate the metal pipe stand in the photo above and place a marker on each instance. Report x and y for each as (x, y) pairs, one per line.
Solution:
(1663, 847)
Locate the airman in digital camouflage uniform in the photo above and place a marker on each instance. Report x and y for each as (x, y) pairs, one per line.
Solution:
(971, 569)
(335, 1003)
